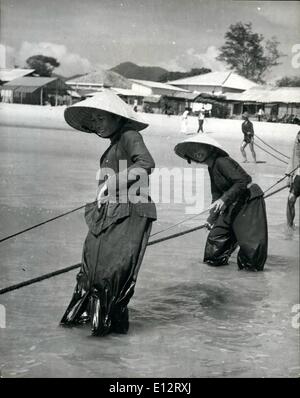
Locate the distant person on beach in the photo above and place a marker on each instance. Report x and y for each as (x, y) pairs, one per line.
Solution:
(237, 213)
(52, 100)
(184, 121)
(120, 219)
(260, 114)
(201, 118)
(247, 129)
(293, 170)
(296, 120)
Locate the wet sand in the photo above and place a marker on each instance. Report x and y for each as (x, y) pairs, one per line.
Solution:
(187, 319)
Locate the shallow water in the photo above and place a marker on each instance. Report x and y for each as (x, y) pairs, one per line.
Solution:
(187, 319)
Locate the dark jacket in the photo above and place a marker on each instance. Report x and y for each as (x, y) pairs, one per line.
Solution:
(136, 164)
(228, 180)
(247, 129)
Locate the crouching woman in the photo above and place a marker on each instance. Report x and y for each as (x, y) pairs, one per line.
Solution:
(237, 213)
(119, 221)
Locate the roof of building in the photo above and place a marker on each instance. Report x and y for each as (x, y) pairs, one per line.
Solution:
(127, 92)
(234, 96)
(29, 82)
(74, 93)
(217, 79)
(119, 91)
(104, 78)
(187, 95)
(6, 75)
(267, 94)
(165, 86)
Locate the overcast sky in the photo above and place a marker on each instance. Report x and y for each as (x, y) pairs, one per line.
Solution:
(175, 34)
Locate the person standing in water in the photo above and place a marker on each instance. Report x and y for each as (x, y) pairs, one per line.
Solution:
(248, 131)
(120, 219)
(237, 213)
(293, 171)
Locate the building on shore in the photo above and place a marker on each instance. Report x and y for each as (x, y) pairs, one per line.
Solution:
(216, 83)
(129, 96)
(91, 83)
(9, 74)
(161, 97)
(36, 91)
(95, 81)
(143, 95)
(279, 104)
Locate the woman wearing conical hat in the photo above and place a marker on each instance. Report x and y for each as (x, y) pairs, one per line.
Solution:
(119, 221)
(237, 213)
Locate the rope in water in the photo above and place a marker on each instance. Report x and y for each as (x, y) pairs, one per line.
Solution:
(175, 225)
(81, 207)
(41, 223)
(72, 267)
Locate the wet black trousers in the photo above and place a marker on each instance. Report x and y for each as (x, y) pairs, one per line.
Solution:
(243, 225)
(108, 275)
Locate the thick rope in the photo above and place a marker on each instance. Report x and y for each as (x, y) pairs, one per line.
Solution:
(39, 278)
(283, 161)
(281, 179)
(275, 150)
(64, 270)
(277, 190)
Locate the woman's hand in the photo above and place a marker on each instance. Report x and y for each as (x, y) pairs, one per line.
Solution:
(217, 205)
(102, 196)
(208, 225)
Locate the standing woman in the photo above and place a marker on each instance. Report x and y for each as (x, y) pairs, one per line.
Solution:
(237, 213)
(120, 219)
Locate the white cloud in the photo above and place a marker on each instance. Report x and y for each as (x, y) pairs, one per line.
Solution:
(70, 63)
(7, 56)
(191, 59)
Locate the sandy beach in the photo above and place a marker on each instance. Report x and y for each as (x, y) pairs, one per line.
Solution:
(187, 319)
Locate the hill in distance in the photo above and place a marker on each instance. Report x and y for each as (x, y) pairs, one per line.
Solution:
(74, 77)
(154, 73)
(133, 71)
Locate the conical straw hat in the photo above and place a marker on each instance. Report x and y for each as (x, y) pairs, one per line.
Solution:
(188, 147)
(79, 115)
